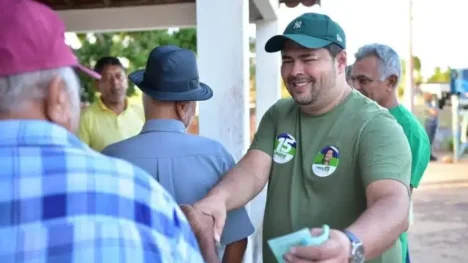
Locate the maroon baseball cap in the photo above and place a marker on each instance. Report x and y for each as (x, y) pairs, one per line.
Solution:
(33, 38)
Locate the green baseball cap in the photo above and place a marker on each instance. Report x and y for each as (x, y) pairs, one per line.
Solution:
(310, 30)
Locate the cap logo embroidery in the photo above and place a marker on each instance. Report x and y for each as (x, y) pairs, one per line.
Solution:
(339, 38)
(297, 24)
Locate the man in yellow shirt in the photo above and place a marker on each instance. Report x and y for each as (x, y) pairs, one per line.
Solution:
(111, 118)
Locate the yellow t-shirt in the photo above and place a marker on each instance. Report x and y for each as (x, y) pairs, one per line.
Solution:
(100, 126)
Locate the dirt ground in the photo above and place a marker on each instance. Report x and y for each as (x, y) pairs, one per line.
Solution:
(439, 233)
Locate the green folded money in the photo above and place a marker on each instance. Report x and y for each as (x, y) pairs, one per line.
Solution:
(281, 245)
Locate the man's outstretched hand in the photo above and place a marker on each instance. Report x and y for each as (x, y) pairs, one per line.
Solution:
(216, 208)
(202, 225)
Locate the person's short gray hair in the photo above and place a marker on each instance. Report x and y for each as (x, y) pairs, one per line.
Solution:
(15, 90)
(389, 61)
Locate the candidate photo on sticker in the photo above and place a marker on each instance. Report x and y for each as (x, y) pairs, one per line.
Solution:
(326, 161)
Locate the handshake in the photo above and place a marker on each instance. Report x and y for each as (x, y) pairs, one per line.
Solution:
(202, 225)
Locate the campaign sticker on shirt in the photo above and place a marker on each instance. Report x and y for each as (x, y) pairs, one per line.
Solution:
(285, 148)
(326, 161)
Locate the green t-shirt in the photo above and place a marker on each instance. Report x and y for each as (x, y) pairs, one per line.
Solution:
(418, 142)
(420, 153)
(323, 164)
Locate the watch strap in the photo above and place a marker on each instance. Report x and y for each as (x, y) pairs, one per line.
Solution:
(352, 237)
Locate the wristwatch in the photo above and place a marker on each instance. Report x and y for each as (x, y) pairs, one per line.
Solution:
(357, 249)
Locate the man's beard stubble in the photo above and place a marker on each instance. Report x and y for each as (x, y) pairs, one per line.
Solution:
(318, 89)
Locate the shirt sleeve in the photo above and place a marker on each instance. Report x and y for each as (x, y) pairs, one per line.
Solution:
(238, 225)
(384, 152)
(264, 139)
(420, 152)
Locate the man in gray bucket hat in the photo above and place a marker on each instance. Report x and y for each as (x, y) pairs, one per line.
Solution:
(187, 165)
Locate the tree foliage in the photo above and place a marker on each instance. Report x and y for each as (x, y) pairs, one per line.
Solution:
(417, 63)
(417, 75)
(440, 76)
(133, 46)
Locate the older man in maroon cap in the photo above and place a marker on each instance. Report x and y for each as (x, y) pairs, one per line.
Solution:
(60, 201)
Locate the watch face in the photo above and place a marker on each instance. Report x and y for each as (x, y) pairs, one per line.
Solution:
(357, 255)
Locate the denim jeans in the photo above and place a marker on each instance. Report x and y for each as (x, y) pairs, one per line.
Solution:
(431, 128)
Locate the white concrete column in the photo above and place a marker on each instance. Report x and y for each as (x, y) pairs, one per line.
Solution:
(267, 69)
(223, 54)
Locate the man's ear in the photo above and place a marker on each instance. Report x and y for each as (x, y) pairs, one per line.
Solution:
(341, 62)
(185, 105)
(181, 109)
(57, 107)
(392, 81)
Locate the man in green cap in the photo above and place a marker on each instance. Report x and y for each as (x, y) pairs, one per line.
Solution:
(330, 156)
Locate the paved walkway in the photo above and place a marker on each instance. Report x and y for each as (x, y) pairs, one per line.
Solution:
(440, 230)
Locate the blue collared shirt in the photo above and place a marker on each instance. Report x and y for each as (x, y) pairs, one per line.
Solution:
(62, 202)
(186, 165)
